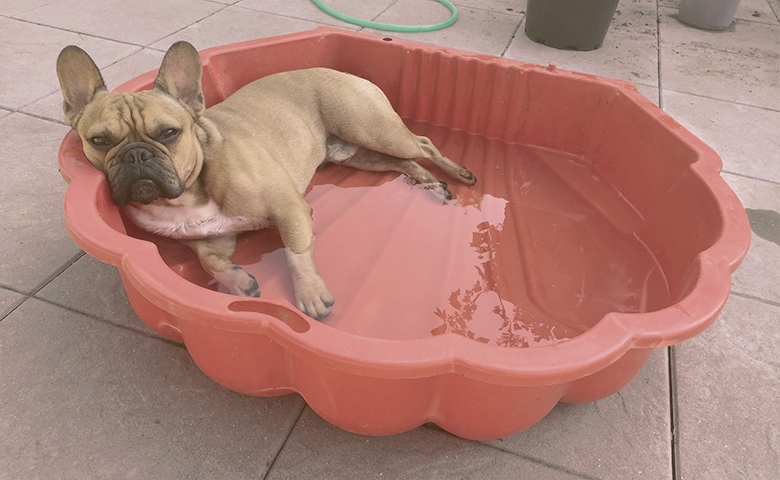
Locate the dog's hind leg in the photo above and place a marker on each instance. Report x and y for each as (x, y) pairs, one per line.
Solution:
(399, 144)
(453, 169)
(367, 119)
(370, 160)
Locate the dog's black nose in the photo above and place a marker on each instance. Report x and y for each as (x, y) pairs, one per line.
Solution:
(137, 155)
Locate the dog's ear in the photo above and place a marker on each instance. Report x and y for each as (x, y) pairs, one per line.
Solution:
(180, 76)
(80, 80)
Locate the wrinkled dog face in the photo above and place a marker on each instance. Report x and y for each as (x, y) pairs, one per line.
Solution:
(140, 143)
(144, 142)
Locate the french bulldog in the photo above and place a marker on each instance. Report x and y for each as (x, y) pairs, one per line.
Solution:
(202, 176)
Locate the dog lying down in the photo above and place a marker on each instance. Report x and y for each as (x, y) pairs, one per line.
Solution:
(202, 176)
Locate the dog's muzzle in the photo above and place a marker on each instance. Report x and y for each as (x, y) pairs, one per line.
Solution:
(140, 172)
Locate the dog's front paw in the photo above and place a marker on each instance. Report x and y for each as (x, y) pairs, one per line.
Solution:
(313, 298)
(251, 290)
(239, 282)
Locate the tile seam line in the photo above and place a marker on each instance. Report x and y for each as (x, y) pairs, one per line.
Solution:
(535, 460)
(81, 34)
(14, 289)
(768, 109)
(36, 7)
(315, 23)
(514, 35)
(758, 179)
(517, 12)
(480, 9)
(222, 3)
(175, 32)
(40, 117)
(34, 295)
(92, 316)
(776, 13)
(75, 258)
(124, 42)
(284, 442)
(658, 54)
(363, 29)
(747, 296)
(392, 4)
(674, 414)
(15, 305)
(29, 294)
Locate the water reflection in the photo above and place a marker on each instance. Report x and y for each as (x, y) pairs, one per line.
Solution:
(480, 313)
(465, 303)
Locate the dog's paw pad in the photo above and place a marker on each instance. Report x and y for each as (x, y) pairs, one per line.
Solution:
(468, 177)
(317, 310)
(239, 282)
(444, 189)
(253, 290)
(440, 187)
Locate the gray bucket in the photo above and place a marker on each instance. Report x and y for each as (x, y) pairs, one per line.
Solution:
(708, 14)
(569, 24)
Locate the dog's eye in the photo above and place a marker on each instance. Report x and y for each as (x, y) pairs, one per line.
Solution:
(170, 134)
(99, 142)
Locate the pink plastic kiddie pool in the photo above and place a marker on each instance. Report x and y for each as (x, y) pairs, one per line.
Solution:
(599, 230)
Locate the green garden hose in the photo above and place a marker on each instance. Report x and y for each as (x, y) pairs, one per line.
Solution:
(389, 27)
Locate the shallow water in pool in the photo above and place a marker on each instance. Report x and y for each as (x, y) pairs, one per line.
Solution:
(537, 252)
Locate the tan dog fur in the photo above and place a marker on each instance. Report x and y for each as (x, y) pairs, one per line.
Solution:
(204, 175)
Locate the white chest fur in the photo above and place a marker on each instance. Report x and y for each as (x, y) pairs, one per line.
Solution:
(182, 222)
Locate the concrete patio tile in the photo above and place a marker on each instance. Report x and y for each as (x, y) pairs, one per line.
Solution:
(728, 384)
(740, 64)
(629, 51)
(8, 301)
(626, 435)
(114, 75)
(756, 11)
(121, 20)
(28, 54)
(82, 399)
(504, 6)
(95, 288)
(651, 93)
(476, 30)
(750, 10)
(245, 24)
(307, 10)
(317, 450)
(745, 137)
(758, 274)
(775, 5)
(4, 112)
(35, 242)
(10, 8)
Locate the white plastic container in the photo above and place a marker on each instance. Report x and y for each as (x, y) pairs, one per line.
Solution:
(708, 14)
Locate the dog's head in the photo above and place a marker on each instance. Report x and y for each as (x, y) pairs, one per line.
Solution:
(144, 142)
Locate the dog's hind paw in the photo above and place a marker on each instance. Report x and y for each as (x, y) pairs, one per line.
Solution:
(467, 177)
(441, 188)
